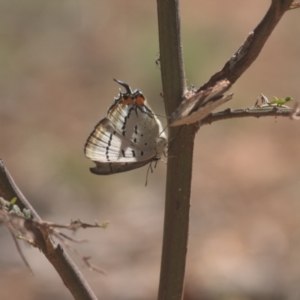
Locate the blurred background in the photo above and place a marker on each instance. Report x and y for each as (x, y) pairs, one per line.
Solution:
(57, 61)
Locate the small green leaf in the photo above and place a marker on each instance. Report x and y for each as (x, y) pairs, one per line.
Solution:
(280, 101)
(13, 201)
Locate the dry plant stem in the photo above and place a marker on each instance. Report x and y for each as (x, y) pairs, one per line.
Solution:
(180, 156)
(181, 147)
(246, 112)
(260, 36)
(60, 260)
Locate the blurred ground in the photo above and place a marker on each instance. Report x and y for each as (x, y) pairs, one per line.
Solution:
(57, 61)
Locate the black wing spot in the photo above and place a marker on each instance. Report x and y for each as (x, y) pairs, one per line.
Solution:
(108, 145)
(133, 153)
(123, 153)
(125, 122)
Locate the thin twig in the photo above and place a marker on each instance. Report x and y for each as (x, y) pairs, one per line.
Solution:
(295, 114)
(246, 112)
(295, 5)
(5, 218)
(249, 51)
(60, 260)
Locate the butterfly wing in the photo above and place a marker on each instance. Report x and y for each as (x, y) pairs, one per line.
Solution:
(111, 152)
(128, 138)
(113, 168)
(137, 123)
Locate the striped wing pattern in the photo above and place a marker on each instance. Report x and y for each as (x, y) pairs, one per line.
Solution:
(128, 138)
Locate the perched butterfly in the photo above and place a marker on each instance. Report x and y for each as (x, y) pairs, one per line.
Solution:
(129, 137)
(200, 104)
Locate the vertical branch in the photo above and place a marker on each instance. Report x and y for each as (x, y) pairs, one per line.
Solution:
(181, 140)
(180, 155)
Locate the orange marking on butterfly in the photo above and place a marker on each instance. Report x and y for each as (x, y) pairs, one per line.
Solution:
(128, 100)
(140, 100)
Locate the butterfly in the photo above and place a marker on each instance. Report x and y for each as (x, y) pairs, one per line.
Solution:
(198, 105)
(129, 137)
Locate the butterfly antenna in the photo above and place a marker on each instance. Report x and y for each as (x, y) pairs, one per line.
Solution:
(163, 130)
(161, 116)
(125, 85)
